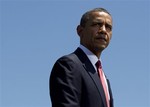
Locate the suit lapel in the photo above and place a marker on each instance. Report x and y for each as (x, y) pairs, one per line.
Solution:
(93, 74)
(110, 92)
(90, 69)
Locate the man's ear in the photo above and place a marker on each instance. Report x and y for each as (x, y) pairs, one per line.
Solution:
(79, 30)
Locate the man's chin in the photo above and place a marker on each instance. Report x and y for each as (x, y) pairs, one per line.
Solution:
(101, 47)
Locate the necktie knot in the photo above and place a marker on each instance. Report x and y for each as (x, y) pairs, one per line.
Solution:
(98, 64)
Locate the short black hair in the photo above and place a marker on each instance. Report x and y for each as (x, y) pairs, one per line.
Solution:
(85, 17)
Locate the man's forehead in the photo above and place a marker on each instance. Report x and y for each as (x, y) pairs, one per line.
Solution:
(98, 16)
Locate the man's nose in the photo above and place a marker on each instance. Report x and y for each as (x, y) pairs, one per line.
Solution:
(103, 28)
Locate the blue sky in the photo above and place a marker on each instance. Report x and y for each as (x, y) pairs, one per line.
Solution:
(35, 33)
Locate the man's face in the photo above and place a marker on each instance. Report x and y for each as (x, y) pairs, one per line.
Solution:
(97, 32)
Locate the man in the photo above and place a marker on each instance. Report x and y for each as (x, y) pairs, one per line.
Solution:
(75, 79)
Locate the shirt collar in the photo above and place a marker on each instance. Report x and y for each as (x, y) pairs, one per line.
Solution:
(92, 57)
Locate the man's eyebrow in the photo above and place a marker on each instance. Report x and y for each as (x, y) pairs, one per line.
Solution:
(109, 23)
(97, 21)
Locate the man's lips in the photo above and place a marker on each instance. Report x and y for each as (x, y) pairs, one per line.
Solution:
(101, 38)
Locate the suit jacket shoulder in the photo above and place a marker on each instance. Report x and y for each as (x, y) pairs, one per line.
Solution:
(65, 79)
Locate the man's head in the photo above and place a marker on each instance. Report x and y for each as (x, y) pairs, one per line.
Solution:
(86, 16)
(95, 30)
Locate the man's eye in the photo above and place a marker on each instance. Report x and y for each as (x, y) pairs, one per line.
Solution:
(97, 24)
(109, 27)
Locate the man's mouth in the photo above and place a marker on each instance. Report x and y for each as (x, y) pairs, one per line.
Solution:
(101, 39)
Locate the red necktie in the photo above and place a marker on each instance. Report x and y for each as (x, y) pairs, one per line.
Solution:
(100, 72)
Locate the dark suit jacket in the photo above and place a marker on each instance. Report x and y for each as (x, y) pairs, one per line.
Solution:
(75, 83)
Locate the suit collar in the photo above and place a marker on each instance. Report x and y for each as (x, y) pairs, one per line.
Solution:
(92, 72)
(92, 57)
